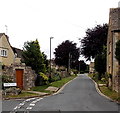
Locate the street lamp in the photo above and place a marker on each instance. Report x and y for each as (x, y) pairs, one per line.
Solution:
(50, 54)
(79, 52)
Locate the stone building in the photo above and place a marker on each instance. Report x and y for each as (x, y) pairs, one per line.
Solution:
(10, 61)
(113, 37)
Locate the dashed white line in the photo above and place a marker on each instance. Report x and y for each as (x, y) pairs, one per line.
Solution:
(32, 104)
(29, 108)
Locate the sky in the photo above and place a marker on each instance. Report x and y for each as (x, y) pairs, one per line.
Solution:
(27, 20)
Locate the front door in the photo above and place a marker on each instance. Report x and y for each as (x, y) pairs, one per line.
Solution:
(19, 78)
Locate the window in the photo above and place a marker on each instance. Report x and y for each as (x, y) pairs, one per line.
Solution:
(4, 53)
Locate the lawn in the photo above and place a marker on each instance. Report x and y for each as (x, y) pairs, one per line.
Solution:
(57, 84)
(108, 92)
(21, 95)
(105, 90)
(60, 83)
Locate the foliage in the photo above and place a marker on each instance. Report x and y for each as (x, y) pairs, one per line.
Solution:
(80, 65)
(100, 63)
(7, 79)
(61, 82)
(45, 61)
(117, 51)
(33, 56)
(56, 77)
(41, 79)
(93, 42)
(65, 52)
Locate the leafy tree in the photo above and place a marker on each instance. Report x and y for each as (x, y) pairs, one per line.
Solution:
(66, 52)
(45, 60)
(80, 65)
(117, 51)
(117, 55)
(100, 63)
(93, 42)
(33, 56)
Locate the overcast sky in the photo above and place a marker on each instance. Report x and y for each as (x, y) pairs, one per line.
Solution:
(61, 19)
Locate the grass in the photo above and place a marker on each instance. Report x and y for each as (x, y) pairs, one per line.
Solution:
(108, 92)
(60, 83)
(57, 84)
(23, 94)
(105, 90)
(41, 88)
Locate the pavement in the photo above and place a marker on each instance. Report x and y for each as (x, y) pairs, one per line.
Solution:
(79, 95)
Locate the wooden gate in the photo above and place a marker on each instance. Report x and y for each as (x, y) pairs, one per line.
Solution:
(19, 78)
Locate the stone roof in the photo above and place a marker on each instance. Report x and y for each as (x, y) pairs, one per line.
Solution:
(1, 34)
(18, 52)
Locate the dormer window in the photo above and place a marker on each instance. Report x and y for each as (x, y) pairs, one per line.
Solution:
(4, 53)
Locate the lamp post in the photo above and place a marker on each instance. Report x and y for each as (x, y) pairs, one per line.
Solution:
(79, 52)
(50, 54)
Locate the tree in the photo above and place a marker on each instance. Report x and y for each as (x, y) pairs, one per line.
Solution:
(66, 53)
(93, 42)
(80, 65)
(117, 51)
(117, 55)
(33, 56)
(45, 61)
(100, 64)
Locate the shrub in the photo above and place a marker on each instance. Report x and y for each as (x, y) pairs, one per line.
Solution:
(41, 79)
(56, 77)
(6, 79)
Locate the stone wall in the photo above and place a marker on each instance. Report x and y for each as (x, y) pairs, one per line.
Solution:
(28, 74)
(113, 37)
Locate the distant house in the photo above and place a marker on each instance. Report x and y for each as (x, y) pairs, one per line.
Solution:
(113, 37)
(8, 54)
(91, 67)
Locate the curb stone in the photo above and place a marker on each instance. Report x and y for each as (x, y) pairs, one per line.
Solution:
(99, 92)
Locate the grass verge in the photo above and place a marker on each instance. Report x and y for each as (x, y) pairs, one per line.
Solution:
(111, 94)
(21, 95)
(105, 90)
(57, 84)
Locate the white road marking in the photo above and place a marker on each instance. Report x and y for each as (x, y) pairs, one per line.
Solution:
(29, 108)
(30, 99)
(15, 107)
(21, 104)
(32, 104)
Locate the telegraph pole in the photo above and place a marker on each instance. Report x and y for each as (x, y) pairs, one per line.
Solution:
(50, 54)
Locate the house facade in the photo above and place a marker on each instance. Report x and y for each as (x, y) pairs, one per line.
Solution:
(113, 37)
(10, 62)
(8, 54)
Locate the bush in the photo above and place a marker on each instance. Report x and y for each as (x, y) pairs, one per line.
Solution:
(6, 79)
(56, 77)
(41, 79)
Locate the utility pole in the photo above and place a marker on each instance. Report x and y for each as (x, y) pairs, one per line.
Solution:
(50, 54)
(69, 60)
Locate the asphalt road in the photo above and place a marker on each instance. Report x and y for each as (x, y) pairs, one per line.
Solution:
(78, 95)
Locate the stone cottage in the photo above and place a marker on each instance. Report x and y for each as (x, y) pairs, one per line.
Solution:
(113, 37)
(10, 59)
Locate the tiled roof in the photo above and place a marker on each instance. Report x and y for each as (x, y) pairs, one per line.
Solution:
(1, 34)
(18, 52)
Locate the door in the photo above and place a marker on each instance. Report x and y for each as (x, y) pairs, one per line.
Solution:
(19, 78)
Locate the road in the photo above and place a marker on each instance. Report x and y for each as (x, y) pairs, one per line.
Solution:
(78, 95)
